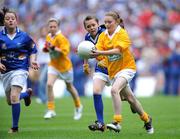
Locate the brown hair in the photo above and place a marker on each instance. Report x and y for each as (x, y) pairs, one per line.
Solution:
(116, 17)
(3, 12)
(89, 17)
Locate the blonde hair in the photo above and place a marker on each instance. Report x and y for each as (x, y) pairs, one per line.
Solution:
(54, 20)
(116, 17)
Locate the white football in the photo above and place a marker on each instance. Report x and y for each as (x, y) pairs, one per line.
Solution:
(84, 49)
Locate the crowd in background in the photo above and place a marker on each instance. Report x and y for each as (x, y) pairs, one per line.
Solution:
(154, 28)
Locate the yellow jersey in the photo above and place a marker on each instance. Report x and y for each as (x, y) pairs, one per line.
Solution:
(61, 61)
(118, 62)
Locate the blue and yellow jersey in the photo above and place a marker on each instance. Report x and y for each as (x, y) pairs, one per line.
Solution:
(15, 51)
(101, 59)
(88, 36)
(62, 61)
(119, 39)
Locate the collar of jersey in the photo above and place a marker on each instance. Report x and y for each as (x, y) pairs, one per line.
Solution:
(58, 32)
(116, 30)
(5, 30)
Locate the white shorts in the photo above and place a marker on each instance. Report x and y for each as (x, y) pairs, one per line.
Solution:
(102, 76)
(14, 78)
(66, 76)
(128, 74)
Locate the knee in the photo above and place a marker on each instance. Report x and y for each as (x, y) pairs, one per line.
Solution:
(97, 90)
(14, 98)
(114, 91)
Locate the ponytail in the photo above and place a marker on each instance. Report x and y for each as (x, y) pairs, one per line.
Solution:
(121, 23)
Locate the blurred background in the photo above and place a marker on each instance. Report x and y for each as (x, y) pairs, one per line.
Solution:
(153, 25)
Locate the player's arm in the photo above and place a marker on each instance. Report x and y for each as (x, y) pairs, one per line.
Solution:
(33, 55)
(33, 61)
(113, 51)
(62, 46)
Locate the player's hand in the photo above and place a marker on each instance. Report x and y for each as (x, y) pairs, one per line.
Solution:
(94, 53)
(45, 49)
(102, 63)
(2, 68)
(48, 47)
(34, 65)
(86, 69)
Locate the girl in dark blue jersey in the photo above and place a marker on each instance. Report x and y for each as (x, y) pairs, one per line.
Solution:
(17, 53)
(100, 77)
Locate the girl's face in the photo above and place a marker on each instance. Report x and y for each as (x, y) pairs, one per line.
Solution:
(110, 24)
(53, 27)
(92, 27)
(10, 21)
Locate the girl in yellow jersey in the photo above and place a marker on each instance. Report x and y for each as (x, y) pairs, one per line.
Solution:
(114, 43)
(60, 66)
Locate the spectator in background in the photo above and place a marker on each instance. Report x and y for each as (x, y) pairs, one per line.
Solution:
(43, 59)
(79, 75)
(175, 69)
(142, 18)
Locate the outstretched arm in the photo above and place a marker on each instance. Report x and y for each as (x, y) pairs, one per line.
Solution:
(114, 51)
(33, 62)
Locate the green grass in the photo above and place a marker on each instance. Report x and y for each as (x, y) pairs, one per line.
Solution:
(164, 110)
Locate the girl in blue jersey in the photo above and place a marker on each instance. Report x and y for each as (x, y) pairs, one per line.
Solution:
(100, 77)
(17, 53)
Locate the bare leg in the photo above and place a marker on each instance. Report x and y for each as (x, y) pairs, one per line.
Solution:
(72, 90)
(118, 85)
(132, 100)
(50, 83)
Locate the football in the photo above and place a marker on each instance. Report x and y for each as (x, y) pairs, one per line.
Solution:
(84, 49)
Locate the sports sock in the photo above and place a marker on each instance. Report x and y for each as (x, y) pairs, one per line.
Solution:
(24, 95)
(117, 118)
(15, 114)
(77, 102)
(50, 105)
(98, 105)
(145, 117)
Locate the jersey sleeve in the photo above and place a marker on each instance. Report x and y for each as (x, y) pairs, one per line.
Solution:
(63, 44)
(123, 42)
(31, 45)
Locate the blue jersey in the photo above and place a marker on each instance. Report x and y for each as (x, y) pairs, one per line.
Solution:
(15, 52)
(88, 37)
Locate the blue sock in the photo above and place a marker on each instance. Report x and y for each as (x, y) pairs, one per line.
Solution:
(15, 114)
(24, 95)
(98, 105)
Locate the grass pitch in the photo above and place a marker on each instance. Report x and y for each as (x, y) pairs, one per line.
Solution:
(165, 112)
